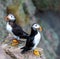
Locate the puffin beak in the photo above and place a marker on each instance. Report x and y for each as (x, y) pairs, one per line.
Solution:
(41, 29)
(6, 18)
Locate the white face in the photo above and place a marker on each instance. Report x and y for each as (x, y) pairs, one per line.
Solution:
(11, 17)
(36, 26)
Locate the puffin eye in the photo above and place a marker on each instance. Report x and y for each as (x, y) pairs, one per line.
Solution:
(11, 16)
(35, 25)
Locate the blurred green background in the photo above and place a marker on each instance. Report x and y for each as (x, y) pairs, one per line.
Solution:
(27, 12)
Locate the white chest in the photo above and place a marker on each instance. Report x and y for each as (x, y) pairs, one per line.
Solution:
(36, 40)
(9, 28)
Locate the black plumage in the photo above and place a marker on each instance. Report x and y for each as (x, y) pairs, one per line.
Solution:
(17, 30)
(14, 28)
(29, 42)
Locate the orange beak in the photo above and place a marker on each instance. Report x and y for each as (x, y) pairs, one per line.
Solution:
(6, 18)
(41, 29)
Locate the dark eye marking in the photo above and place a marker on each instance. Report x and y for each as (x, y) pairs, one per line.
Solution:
(11, 16)
(35, 25)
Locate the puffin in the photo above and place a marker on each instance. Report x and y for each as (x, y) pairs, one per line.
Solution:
(14, 29)
(33, 39)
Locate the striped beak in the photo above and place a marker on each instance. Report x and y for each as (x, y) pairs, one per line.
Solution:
(6, 18)
(41, 29)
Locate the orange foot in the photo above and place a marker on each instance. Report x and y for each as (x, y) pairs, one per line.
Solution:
(36, 52)
(15, 42)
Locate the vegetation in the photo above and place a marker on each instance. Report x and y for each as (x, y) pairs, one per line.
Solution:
(47, 4)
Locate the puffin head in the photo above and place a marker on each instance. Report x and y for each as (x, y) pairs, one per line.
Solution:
(37, 27)
(10, 17)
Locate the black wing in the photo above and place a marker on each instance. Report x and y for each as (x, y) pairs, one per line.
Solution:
(28, 46)
(29, 42)
(18, 31)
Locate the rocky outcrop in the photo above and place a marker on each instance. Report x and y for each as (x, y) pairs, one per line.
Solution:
(50, 34)
(14, 52)
(3, 55)
(50, 38)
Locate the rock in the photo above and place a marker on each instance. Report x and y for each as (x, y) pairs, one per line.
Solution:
(14, 53)
(3, 55)
(49, 40)
(30, 7)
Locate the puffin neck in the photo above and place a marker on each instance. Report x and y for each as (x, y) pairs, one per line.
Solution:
(13, 21)
(33, 32)
(10, 22)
